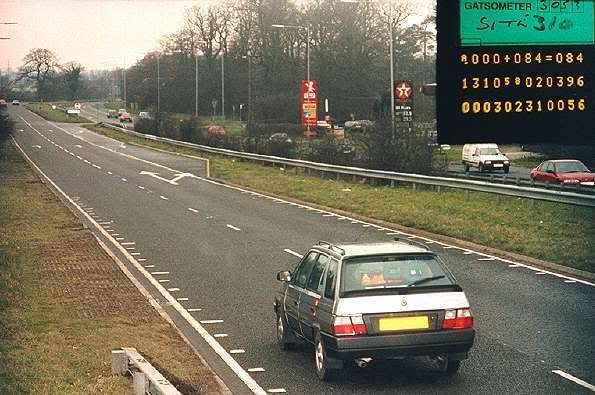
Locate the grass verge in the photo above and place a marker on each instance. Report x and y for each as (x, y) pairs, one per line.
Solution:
(64, 304)
(548, 231)
(46, 111)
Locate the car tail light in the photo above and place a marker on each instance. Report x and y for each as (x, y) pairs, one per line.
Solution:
(457, 319)
(348, 326)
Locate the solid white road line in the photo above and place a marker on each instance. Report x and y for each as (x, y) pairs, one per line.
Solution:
(574, 379)
(233, 227)
(287, 250)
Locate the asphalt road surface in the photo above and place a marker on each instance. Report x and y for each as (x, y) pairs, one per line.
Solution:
(208, 253)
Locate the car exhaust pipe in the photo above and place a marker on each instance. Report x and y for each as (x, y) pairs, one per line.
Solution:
(363, 362)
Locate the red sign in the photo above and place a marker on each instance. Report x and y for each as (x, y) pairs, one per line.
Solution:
(403, 91)
(309, 102)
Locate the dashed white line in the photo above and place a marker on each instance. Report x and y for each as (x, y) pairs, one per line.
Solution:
(468, 252)
(164, 281)
(237, 351)
(256, 370)
(135, 253)
(141, 259)
(277, 390)
(233, 227)
(131, 248)
(220, 335)
(97, 167)
(328, 215)
(110, 173)
(128, 243)
(486, 259)
(163, 197)
(540, 273)
(570, 281)
(366, 225)
(140, 187)
(149, 266)
(123, 179)
(192, 209)
(211, 321)
(192, 310)
(159, 273)
(574, 379)
(287, 250)
(514, 265)
(181, 299)
(173, 289)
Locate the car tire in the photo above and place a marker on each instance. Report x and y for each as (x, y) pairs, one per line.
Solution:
(285, 340)
(326, 367)
(446, 365)
(466, 167)
(506, 170)
(481, 168)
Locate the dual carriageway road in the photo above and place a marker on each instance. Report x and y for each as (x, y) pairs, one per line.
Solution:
(209, 252)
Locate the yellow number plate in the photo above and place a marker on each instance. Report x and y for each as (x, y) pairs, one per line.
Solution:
(403, 323)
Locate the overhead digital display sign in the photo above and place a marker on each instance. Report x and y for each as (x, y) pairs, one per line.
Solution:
(516, 71)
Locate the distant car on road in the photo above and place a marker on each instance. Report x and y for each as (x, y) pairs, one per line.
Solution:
(216, 130)
(112, 114)
(144, 115)
(365, 301)
(485, 157)
(564, 171)
(125, 117)
(16, 103)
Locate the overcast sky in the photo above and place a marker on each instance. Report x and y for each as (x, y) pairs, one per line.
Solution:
(96, 33)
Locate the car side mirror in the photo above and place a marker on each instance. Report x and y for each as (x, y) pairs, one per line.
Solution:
(284, 276)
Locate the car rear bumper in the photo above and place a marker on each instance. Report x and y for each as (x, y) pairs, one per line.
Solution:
(401, 345)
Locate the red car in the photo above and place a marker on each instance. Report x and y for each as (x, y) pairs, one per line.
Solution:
(564, 171)
(125, 117)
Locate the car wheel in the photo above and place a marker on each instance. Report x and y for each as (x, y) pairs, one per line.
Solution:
(446, 365)
(284, 338)
(506, 170)
(466, 168)
(325, 366)
(481, 169)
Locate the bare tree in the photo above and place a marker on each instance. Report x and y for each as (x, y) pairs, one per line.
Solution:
(39, 66)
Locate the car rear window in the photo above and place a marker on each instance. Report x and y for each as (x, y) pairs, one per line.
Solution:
(384, 272)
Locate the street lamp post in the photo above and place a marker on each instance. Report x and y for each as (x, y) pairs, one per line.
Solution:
(158, 83)
(307, 27)
(392, 72)
(222, 85)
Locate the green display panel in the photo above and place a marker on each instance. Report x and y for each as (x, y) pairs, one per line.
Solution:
(531, 22)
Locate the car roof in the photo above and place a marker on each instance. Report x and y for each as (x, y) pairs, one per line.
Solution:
(562, 160)
(346, 250)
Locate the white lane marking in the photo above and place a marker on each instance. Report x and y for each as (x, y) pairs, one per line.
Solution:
(574, 379)
(123, 179)
(173, 289)
(211, 321)
(256, 370)
(182, 299)
(468, 252)
(366, 225)
(328, 215)
(159, 273)
(128, 243)
(237, 351)
(220, 335)
(540, 273)
(78, 146)
(149, 266)
(140, 187)
(72, 154)
(514, 265)
(97, 167)
(486, 259)
(131, 248)
(355, 222)
(192, 209)
(233, 227)
(119, 238)
(192, 310)
(105, 222)
(141, 259)
(392, 233)
(163, 197)
(277, 390)
(570, 281)
(447, 247)
(287, 250)
(135, 253)
(86, 161)
(110, 173)
(164, 281)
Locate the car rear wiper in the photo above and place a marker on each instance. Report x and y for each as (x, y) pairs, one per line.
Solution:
(424, 280)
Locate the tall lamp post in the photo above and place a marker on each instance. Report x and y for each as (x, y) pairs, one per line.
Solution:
(158, 84)
(307, 27)
(392, 70)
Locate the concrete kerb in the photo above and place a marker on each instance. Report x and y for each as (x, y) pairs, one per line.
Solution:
(154, 303)
(437, 237)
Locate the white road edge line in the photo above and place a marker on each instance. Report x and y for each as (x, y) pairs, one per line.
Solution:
(287, 250)
(225, 356)
(574, 379)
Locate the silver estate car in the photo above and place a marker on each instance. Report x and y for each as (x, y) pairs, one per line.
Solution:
(365, 301)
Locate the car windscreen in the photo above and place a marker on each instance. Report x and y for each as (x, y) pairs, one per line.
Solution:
(362, 274)
(571, 167)
(489, 151)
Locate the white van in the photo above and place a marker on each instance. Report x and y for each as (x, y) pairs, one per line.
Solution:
(485, 157)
